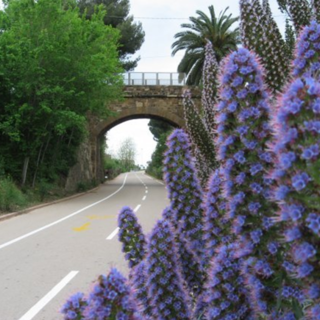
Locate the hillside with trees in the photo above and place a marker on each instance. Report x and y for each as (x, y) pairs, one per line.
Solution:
(57, 68)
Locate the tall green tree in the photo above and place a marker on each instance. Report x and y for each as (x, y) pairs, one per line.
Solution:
(203, 28)
(56, 68)
(158, 127)
(117, 15)
(160, 130)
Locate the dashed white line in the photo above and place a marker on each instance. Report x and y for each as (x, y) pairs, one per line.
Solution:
(144, 198)
(146, 191)
(61, 220)
(113, 234)
(48, 297)
(140, 179)
(137, 208)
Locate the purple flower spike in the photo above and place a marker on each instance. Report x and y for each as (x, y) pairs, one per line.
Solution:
(215, 224)
(184, 190)
(300, 209)
(138, 280)
(74, 307)
(164, 279)
(111, 298)
(243, 148)
(260, 33)
(131, 236)
(225, 294)
(210, 85)
(307, 60)
(201, 138)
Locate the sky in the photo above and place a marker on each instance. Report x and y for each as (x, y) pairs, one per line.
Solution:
(161, 20)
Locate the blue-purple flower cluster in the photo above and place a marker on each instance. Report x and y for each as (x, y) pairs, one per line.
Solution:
(297, 174)
(138, 280)
(250, 248)
(216, 228)
(164, 280)
(111, 298)
(225, 293)
(131, 236)
(74, 308)
(184, 190)
(191, 266)
(307, 61)
(243, 136)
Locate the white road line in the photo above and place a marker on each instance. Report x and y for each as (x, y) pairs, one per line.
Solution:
(113, 234)
(137, 208)
(61, 220)
(144, 198)
(146, 191)
(154, 179)
(140, 180)
(49, 296)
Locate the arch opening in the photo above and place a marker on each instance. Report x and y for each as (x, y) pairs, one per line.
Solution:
(137, 134)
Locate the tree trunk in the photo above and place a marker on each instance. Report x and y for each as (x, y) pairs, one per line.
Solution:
(25, 170)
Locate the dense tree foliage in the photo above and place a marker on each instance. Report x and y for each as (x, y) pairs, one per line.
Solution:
(117, 15)
(204, 28)
(158, 127)
(160, 131)
(56, 69)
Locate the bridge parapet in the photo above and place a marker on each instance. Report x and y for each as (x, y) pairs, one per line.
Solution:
(159, 91)
(154, 79)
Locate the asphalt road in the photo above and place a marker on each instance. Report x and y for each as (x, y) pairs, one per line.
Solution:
(55, 251)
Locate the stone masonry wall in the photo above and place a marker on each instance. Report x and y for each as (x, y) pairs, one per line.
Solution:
(164, 102)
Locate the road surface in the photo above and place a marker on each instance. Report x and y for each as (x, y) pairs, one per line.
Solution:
(55, 251)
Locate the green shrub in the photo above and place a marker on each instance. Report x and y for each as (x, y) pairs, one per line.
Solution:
(11, 198)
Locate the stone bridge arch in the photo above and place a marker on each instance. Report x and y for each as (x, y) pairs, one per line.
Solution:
(161, 102)
(154, 102)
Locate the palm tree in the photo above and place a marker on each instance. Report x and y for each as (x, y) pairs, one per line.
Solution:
(202, 29)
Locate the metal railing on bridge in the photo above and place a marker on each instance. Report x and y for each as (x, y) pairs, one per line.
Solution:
(154, 79)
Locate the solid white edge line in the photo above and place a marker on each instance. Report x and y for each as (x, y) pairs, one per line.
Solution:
(61, 220)
(137, 208)
(144, 198)
(113, 234)
(49, 296)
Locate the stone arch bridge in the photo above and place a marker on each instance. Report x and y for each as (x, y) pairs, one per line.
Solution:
(162, 102)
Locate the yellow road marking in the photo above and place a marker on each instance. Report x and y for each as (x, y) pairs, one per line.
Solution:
(96, 217)
(83, 227)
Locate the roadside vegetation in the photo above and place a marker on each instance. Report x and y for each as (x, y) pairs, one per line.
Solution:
(240, 238)
(60, 66)
(160, 131)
